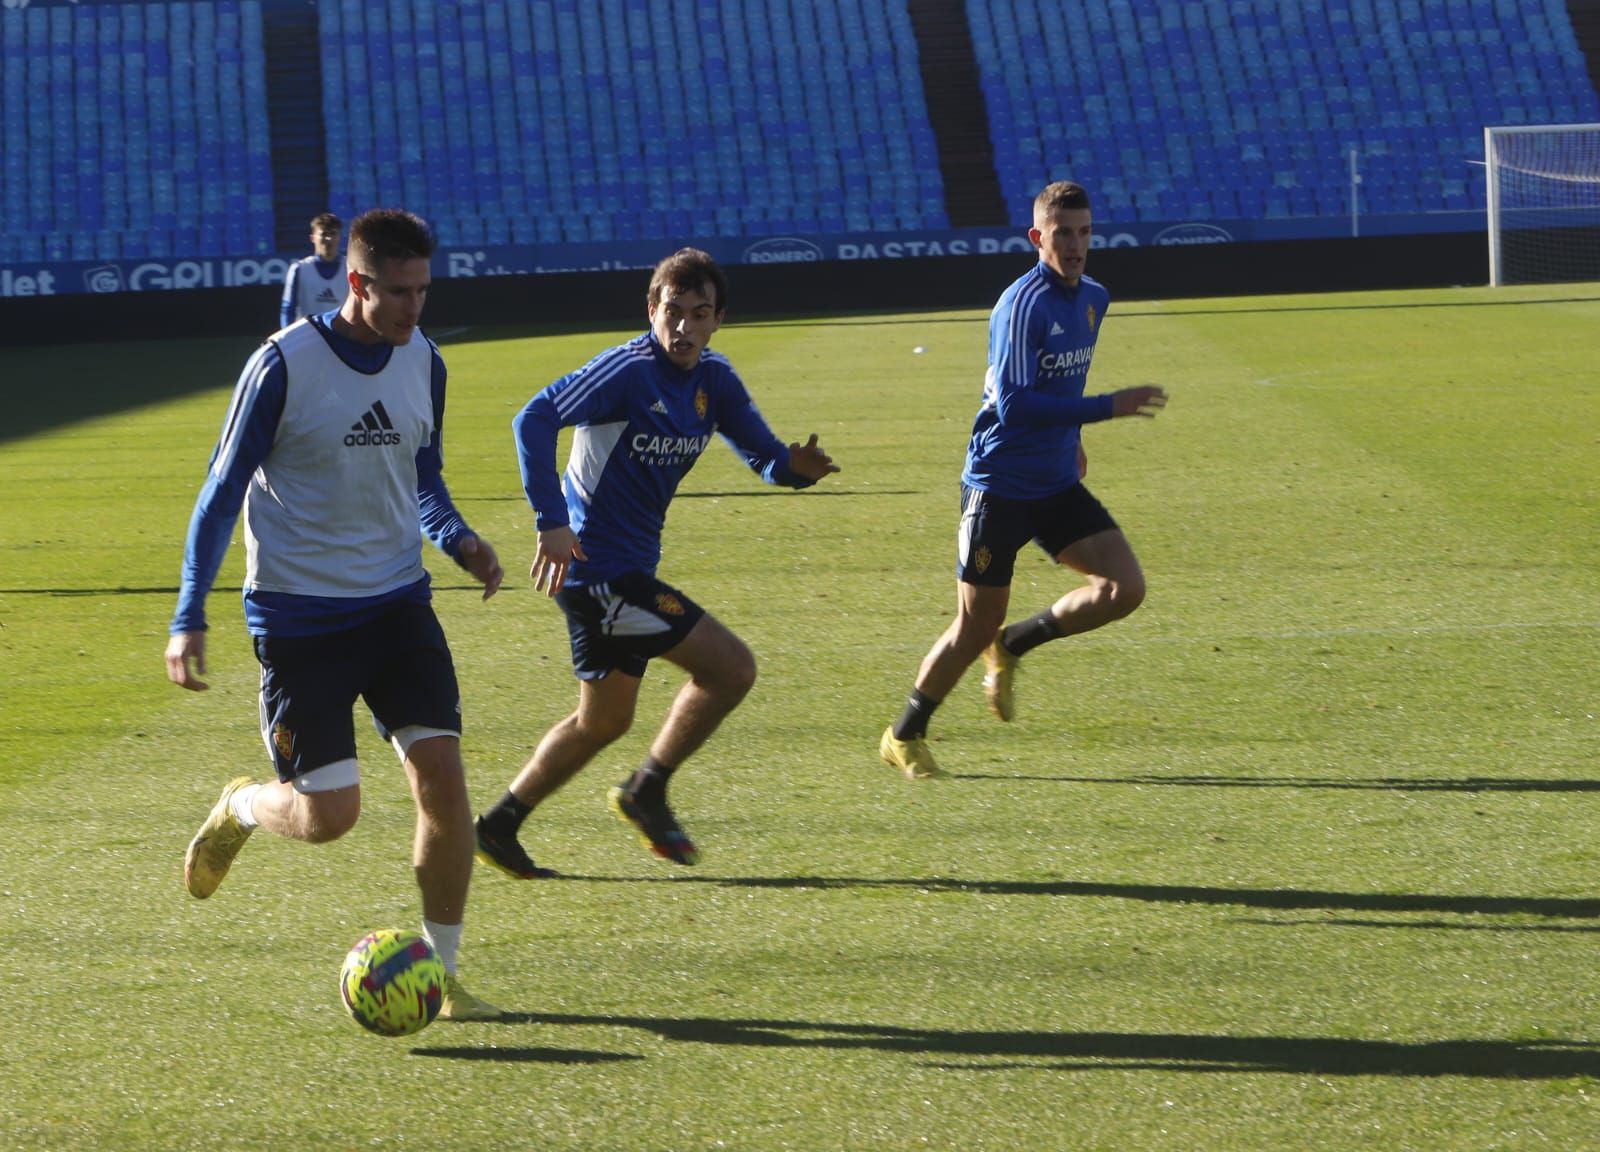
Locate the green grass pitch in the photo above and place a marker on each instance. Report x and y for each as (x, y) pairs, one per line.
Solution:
(1305, 854)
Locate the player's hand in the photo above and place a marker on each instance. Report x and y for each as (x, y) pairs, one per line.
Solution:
(1145, 400)
(181, 648)
(477, 557)
(810, 461)
(1083, 461)
(558, 548)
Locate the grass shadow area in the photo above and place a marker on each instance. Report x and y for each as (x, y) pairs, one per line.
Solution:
(1286, 899)
(1300, 1056)
(50, 387)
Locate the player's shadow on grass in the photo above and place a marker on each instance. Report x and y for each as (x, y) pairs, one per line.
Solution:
(1335, 783)
(950, 1048)
(526, 1055)
(1435, 925)
(1289, 899)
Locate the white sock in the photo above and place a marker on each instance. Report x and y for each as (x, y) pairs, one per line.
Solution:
(242, 800)
(446, 941)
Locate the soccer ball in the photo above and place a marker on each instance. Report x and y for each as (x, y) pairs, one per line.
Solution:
(392, 982)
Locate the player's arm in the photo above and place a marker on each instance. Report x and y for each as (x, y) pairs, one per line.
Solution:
(535, 429)
(791, 465)
(442, 522)
(291, 291)
(597, 392)
(247, 435)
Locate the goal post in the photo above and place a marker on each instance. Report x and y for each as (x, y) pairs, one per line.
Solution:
(1543, 202)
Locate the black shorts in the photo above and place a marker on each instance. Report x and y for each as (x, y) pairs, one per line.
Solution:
(994, 529)
(398, 663)
(625, 623)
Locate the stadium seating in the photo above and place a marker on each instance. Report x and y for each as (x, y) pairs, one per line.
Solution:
(134, 131)
(1226, 109)
(589, 120)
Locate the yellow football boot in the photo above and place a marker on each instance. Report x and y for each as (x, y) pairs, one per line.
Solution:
(459, 1004)
(912, 757)
(213, 848)
(1000, 668)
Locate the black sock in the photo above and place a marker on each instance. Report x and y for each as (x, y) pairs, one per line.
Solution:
(649, 782)
(503, 820)
(1026, 635)
(913, 722)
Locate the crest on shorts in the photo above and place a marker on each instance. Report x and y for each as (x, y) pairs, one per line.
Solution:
(981, 558)
(1091, 316)
(668, 605)
(701, 402)
(283, 741)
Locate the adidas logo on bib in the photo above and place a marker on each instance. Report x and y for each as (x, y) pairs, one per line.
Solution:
(374, 428)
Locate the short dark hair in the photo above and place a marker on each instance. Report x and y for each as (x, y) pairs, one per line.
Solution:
(689, 270)
(1062, 195)
(327, 220)
(388, 234)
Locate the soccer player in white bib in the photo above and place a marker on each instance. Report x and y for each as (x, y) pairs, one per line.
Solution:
(332, 446)
(1023, 480)
(319, 282)
(644, 412)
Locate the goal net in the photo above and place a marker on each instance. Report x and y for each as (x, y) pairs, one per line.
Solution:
(1544, 203)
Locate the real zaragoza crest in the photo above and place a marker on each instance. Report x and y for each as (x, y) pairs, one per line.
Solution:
(981, 558)
(701, 402)
(283, 741)
(666, 603)
(1091, 315)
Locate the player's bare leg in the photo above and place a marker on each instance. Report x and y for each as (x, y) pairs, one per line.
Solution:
(442, 856)
(605, 712)
(1115, 585)
(442, 850)
(315, 817)
(979, 613)
(721, 673)
(247, 804)
(1114, 588)
(604, 715)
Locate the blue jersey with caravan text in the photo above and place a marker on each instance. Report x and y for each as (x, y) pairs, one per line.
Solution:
(641, 423)
(338, 442)
(1041, 338)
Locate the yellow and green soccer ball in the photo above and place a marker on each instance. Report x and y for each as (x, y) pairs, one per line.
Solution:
(392, 982)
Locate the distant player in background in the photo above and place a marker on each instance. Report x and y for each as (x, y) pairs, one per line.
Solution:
(1024, 480)
(332, 445)
(319, 282)
(644, 412)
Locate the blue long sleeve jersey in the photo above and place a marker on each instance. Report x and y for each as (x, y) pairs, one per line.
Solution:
(344, 456)
(642, 422)
(1041, 338)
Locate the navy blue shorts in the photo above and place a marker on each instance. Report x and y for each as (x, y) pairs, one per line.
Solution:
(625, 623)
(994, 529)
(398, 663)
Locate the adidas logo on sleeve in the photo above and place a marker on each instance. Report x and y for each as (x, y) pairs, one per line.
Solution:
(374, 428)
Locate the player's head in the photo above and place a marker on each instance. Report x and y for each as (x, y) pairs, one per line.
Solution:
(1062, 226)
(326, 228)
(687, 298)
(389, 274)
